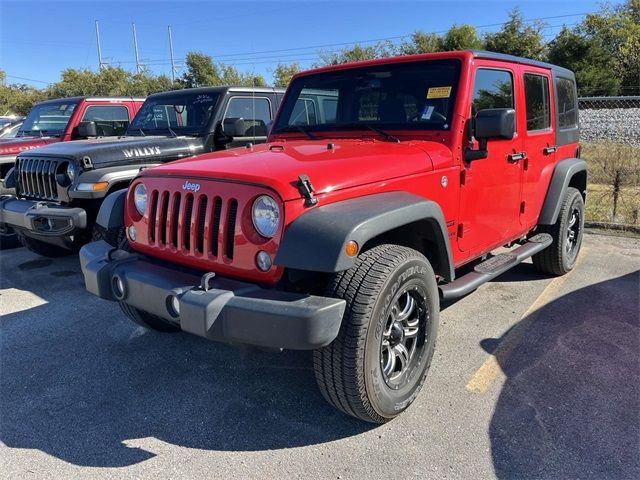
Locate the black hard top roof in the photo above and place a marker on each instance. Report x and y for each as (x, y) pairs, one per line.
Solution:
(221, 90)
(521, 60)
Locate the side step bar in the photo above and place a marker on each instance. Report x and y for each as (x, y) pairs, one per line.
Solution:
(491, 268)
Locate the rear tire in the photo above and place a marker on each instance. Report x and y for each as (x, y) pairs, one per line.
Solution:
(376, 366)
(560, 257)
(147, 320)
(43, 248)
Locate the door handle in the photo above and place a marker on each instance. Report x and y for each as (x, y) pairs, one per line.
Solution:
(549, 150)
(516, 157)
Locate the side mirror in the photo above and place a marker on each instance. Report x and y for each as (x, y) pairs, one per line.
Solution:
(87, 129)
(495, 123)
(491, 123)
(233, 127)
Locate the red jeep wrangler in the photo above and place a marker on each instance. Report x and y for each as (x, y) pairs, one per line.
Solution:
(58, 120)
(344, 232)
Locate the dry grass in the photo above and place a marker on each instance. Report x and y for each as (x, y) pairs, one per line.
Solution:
(614, 188)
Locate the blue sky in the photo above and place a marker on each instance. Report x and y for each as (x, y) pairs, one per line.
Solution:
(38, 39)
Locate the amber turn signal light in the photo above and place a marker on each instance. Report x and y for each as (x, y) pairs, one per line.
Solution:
(351, 249)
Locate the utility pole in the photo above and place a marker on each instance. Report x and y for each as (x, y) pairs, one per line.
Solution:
(135, 46)
(173, 65)
(100, 63)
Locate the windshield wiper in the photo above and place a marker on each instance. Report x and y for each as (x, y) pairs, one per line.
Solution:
(387, 136)
(173, 134)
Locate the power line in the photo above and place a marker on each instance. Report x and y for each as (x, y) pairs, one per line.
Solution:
(28, 79)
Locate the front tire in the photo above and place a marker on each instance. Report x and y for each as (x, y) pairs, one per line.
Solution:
(560, 257)
(376, 366)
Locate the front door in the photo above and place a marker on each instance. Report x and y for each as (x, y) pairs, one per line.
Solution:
(490, 187)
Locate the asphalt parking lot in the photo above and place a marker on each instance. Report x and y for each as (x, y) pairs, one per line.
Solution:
(533, 377)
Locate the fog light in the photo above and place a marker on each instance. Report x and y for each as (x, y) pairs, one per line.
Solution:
(263, 260)
(173, 306)
(133, 233)
(118, 288)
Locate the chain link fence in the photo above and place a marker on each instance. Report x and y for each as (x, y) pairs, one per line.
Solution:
(610, 138)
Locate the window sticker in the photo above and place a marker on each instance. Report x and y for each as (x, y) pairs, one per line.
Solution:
(428, 111)
(439, 92)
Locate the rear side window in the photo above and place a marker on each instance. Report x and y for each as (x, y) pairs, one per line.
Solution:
(536, 92)
(109, 119)
(493, 89)
(567, 108)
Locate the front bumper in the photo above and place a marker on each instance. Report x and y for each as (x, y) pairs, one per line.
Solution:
(224, 310)
(44, 219)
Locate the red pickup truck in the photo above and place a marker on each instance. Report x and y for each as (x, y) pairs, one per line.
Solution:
(58, 120)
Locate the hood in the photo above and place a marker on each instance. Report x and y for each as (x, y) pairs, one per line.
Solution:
(13, 146)
(277, 165)
(111, 151)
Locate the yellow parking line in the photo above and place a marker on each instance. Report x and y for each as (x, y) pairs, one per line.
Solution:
(490, 369)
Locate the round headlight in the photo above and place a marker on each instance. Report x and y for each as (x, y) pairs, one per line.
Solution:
(71, 171)
(266, 216)
(140, 198)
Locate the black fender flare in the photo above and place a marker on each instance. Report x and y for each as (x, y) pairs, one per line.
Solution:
(563, 173)
(316, 240)
(111, 213)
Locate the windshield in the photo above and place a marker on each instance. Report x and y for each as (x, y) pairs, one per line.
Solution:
(401, 96)
(182, 113)
(10, 132)
(49, 119)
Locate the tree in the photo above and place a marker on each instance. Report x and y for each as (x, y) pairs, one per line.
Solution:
(617, 30)
(588, 59)
(516, 38)
(282, 74)
(421, 42)
(201, 71)
(463, 37)
(358, 53)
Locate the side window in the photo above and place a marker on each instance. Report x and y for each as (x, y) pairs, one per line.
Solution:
(493, 89)
(536, 92)
(110, 119)
(256, 113)
(567, 108)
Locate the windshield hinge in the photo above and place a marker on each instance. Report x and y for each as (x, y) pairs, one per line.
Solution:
(306, 190)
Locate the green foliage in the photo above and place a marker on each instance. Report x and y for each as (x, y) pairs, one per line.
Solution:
(463, 37)
(203, 72)
(358, 53)
(421, 42)
(282, 74)
(518, 38)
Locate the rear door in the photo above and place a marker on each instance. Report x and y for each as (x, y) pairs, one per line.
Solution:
(539, 142)
(490, 187)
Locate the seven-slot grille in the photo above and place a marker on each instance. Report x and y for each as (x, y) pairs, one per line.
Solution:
(195, 223)
(37, 178)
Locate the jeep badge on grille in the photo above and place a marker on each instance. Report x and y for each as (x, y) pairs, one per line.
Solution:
(194, 187)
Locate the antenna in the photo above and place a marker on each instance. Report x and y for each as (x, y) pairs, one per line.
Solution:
(100, 62)
(135, 46)
(173, 65)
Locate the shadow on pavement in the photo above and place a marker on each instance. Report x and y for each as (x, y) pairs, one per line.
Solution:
(570, 406)
(79, 381)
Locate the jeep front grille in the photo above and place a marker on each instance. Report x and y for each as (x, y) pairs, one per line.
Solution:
(37, 178)
(192, 223)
